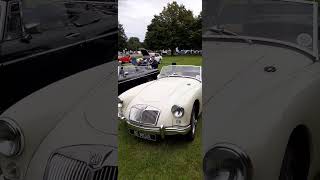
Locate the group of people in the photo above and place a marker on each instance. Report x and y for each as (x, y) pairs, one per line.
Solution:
(144, 62)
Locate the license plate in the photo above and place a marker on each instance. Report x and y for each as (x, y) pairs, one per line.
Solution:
(143, 135)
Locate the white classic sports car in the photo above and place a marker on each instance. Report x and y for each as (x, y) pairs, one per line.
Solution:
(169, 105)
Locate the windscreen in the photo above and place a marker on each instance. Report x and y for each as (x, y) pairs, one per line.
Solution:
(181, 71)
(286, 21)
(125, 71)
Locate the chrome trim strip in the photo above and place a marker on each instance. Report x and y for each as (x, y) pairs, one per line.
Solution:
(93, 2)
(162, 131)
(257, 40)
(57, 49)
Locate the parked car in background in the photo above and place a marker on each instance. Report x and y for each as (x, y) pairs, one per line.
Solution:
(169, 105)
(157, 57)
(261, 119)
(131, 76)
(125, 59)
(44, 41)
(63, 131)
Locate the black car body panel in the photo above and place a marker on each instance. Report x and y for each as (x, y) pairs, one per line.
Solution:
(131, 76)
(44, 42)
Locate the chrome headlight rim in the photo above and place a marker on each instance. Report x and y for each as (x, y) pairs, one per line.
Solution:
(19, 136)
(120, 103)
(175, 109)
(236, 151)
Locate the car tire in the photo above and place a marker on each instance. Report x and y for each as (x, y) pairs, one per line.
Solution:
(193, 122)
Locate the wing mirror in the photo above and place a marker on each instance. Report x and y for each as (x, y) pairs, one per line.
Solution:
(26, 38)
(125, 74)
(32, 28)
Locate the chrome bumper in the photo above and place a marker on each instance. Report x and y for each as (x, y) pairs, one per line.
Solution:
(162, 131)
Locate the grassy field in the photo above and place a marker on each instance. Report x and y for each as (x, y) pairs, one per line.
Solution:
(172, 158)
(181, 60)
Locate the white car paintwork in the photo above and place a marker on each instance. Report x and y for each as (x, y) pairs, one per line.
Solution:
(163, 93)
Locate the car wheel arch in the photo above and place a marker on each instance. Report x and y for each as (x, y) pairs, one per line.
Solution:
(197, 107)
(299, 148)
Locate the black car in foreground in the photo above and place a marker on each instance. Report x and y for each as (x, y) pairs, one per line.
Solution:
(42, 42)
(131, 76)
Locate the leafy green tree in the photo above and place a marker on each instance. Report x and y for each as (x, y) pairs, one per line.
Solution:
(122, 38)
(134, 43)
(173, 27)
(196, 33)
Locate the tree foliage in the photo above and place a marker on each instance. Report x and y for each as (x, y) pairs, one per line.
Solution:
(174, 27)
(122, 38)
(134, 43)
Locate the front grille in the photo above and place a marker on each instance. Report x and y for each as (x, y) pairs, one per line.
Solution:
(107, 172)
(64, 168)
(144, 114)
(149, 116)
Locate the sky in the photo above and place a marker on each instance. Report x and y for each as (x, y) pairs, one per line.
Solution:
(136, 15)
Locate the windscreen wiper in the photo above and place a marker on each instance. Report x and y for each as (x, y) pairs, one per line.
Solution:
(223, 31)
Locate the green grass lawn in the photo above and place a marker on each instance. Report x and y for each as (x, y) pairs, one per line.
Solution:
(181, 60)
(171, 158)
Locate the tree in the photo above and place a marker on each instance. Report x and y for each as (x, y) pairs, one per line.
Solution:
(173, 27)
(122, 38)
(196, 34)
(134, 43)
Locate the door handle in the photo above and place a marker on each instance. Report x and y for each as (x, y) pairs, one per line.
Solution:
(72, 35)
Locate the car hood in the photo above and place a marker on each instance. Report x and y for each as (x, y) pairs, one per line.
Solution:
(145, 52)
(85, 130)
(165, 91)
(69, 108)
(246, 101)
(227, 62)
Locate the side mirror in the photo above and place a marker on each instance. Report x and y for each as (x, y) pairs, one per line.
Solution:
(32, 28)
(125, 73)
(26, 38)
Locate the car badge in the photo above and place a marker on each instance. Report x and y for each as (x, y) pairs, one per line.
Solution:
(95, 159)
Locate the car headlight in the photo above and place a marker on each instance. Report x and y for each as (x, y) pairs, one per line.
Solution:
(226, 161)
(177, 111)
(11, 138)
(120, 103)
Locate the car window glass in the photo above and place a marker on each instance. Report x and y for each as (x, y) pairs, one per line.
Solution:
(49, 16)
(14, 23)
(287, 21)
(56, 15)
